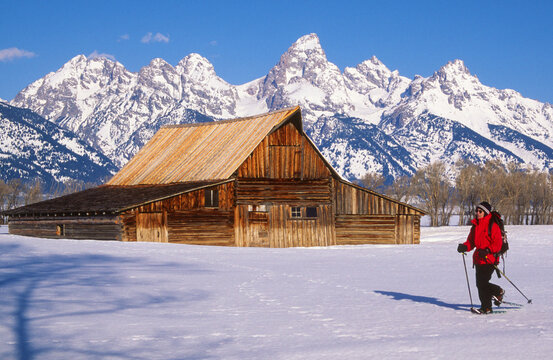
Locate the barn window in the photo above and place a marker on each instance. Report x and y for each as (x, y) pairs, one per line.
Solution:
(60, 230)
(211, 198)
(311, 212)
(257, 208)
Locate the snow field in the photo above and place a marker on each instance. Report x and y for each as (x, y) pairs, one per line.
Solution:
(112, 300)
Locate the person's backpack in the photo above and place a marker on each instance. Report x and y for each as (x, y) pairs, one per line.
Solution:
(496, 218)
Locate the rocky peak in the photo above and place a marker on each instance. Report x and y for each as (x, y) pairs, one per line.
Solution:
(373, 71)
(81, 64)
(307, 44)
(304, 60)
(456, 66)
(304, 65)
(159, 63)
(454, 71)
(156, 67)
(162, 77)
(196, 68)
(77, 60)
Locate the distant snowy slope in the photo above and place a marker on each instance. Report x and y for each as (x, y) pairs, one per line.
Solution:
(33, 148)
(118, 300)
(356, 148)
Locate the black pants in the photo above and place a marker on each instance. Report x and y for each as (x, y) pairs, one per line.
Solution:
(486, 289)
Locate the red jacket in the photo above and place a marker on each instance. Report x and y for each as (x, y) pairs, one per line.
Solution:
(479, 238)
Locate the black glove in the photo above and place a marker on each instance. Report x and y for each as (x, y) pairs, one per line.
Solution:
(462, 248)
(482, 253)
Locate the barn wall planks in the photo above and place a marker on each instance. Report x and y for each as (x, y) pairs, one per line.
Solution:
(351, 199)
(185, 219)
(408, 229)
(259, 191)
(275, 227)
(284, 154)
(359, 216)
(91, 228)
(365, 229)
(201, 227)
(151, 227)
(286, 231)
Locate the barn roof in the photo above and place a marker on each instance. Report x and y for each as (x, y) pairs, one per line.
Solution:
(109, 199)
(200, 152)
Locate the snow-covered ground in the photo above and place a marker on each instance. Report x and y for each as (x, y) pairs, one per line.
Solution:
(67, 299)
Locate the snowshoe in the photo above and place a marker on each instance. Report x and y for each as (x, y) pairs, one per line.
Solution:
(498, 299)
(482, 311)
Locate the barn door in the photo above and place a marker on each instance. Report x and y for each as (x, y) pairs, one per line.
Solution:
(151, 227)
(258, 229)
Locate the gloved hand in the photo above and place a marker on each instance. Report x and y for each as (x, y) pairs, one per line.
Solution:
(462, 248)
(482, 253)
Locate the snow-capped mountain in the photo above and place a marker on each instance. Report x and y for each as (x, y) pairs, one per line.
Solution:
(33, 148)
(106, 104)
(365, 118)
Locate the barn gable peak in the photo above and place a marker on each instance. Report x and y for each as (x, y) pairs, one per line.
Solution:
(203, 151)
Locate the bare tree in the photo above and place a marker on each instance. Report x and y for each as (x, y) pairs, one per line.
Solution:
(520, 194)
(468, 190)
(34, 192)
(373, 181)
(4, 193)
(432, 186)
(400, 189)
(16, 188)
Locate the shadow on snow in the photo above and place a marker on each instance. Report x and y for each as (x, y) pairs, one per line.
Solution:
(50, 289)
(423, 299)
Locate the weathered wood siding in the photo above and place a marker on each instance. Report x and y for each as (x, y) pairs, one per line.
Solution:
(408, 229)
(201, 227)
(186, 218)
(276, 228)
(365, 229)
(291, 232)
(284, 154)
(260, 191)
(284, 171)
(366, 217)
(351, 199)
(151, 226)
(90, 228)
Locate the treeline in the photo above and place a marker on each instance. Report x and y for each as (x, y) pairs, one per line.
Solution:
(15, 193)
(521, 195)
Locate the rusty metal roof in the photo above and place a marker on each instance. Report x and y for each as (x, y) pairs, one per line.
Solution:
(108, 199)
(199, 152)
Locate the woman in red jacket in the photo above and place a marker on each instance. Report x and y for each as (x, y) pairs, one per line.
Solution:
(485, 245)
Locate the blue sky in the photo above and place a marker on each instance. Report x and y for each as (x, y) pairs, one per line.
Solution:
(507, 44)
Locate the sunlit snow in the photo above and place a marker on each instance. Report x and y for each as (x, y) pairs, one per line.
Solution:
(69, 299)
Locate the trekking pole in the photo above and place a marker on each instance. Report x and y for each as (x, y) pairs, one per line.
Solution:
(505, 276)
(468, 285)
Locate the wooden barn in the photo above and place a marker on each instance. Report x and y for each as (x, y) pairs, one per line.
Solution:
(256, 181)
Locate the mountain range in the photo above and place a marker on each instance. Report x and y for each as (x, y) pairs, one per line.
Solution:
(365, 118)
(32, 147)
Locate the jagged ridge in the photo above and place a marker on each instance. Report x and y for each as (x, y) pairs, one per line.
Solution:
(387, 123)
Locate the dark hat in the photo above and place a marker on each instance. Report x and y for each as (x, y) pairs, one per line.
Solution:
(485, 206)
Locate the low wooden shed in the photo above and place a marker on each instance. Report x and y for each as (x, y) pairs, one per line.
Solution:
(256, 181)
